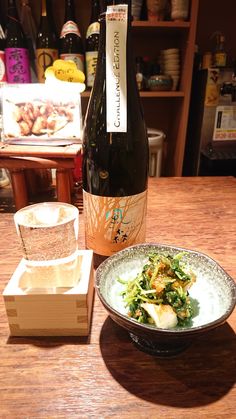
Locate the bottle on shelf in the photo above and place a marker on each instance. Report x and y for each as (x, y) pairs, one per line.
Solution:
(3, 77)
(71, 45)
(115, 143)
(92, 40)
(30, 32)
(220, 55)
(206, 60)
(16, 50)
(46, 44)
(140, 72)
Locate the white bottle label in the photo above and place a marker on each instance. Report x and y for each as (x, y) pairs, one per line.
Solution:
(113, 223)
(116, 84)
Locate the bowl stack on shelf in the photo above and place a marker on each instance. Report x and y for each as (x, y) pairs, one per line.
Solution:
(170, 63)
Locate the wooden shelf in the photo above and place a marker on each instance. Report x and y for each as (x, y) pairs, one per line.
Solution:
(162, 94)
(161, 24)
(147, 94)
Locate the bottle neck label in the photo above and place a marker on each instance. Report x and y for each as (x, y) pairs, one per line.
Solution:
(44, 59)
(2, 67)
(91, 64)
(69, 27)
(113, 223)
(17, 65)
(93, 29)
(116, 83)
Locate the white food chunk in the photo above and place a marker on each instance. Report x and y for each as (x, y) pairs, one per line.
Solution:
(162, 314)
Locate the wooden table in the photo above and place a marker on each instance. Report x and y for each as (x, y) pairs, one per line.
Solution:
(104, 375)
(17, 158)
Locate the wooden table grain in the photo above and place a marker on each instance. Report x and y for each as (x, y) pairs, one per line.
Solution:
(104, 375)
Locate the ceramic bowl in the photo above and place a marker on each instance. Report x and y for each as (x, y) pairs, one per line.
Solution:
(172, 56)
(174, 73)
(171, 59)
(170, 51)
(160, 82)
(179, 14)
(213, 296)
(171, 66)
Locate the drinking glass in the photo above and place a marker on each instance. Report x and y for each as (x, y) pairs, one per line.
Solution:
(48, 235)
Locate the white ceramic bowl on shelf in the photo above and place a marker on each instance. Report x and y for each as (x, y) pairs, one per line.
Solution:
(169, 58)
(174, 73)
(179, 9)
(170, 51)
(172, 66)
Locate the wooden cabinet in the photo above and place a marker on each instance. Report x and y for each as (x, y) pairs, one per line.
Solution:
(166, 111)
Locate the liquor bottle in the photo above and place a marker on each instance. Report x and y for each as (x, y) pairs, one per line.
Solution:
(92, 39)
(71, 46)
(16, 51)
(139, 73)
(3, 77)
(115, 144)
(220, 55)
(46, 44)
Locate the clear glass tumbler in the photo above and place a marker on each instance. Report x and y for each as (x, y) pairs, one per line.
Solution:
(48, 234)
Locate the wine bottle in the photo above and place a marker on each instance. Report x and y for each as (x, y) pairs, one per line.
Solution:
(92, 38)
(115, 144)
(3, 77)
(16, 51)
(46, 44)
(71, 46)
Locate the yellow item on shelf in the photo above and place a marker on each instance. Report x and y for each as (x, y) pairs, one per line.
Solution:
(65, 71)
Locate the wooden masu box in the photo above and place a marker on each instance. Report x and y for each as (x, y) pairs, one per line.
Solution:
(51, 312)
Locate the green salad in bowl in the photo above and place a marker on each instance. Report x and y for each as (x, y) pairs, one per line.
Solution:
(159, 293)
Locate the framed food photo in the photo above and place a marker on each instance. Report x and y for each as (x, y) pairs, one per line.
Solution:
(41, 114)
